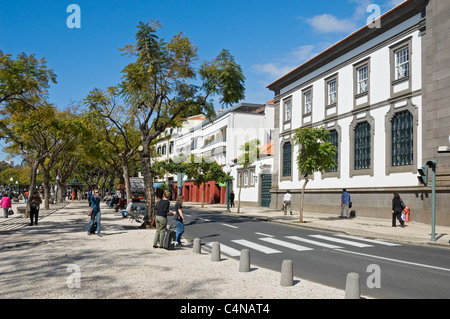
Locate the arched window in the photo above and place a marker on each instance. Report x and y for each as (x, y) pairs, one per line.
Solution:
(403, 139)
(363, 151)
(287, 159)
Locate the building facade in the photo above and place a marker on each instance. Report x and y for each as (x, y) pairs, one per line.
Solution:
(382, 92)
(220, 139)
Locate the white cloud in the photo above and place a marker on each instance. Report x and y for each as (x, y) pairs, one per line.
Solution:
(327, 23)
(290, 60)
(273, 70)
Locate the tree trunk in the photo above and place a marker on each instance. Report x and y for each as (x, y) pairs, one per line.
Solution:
(148, 185)
(126, 175)
(203, 195)
(46, 190)
(239, 195)
(302, 199)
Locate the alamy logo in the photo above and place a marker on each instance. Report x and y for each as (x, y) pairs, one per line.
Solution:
(374, 21)
(74, 20)
(74, 279)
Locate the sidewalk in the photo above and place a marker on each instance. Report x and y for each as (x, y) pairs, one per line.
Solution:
(58, 260)
(375, 228)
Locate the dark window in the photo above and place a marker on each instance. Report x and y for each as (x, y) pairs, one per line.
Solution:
(402, 139)
(287, 159)
(334, 139)
(363, 140)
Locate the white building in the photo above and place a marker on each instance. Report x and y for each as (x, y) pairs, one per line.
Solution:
(367, 90)
(220, 139)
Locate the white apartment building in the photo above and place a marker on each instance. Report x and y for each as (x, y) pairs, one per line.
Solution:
(368, 91)
(220, 139)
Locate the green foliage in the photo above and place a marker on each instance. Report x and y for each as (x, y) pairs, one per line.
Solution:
(24, 81)
(250, 153)
(316, 151)
(160, 86)
(197, 168)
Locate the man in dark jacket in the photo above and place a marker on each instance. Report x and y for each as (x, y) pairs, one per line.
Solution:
(35, 202)
(397, 208)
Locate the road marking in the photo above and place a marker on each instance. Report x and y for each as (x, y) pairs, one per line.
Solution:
(265, 235)
(394, 260)
(231, 226)
(314, 242)
(369, 240)
(342, 241)
(227, 250)
(261, 248)
(286, 244)
(187, 215)
(204, 219)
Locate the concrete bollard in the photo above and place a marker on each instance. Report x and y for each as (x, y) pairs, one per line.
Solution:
(244, 261)
(352, 287)
(197, 246)
(215, 254)
(287, 273)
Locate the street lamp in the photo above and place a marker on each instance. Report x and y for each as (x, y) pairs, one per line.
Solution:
(228, 171)
(10, 187)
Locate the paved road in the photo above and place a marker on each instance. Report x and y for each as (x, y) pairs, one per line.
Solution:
(393, 270)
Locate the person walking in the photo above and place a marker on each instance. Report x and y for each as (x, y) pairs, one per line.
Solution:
(96, 213)
(161, 218)
(35, 202)
(345, 203)
(179, 219)
(6, 204)
(231, 199)
(287, 200)
(397, 207)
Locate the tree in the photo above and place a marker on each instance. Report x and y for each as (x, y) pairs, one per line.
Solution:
(316, 154)
(24, 81)
(203, 171)
(159, 87)
(250, 155)
(117, 126)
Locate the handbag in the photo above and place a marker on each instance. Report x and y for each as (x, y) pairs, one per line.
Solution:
(10, 212)
(90, 211)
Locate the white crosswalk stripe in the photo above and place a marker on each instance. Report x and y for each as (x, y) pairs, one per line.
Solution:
(227, 250)
(379, 242)
(338, 241)
(258, 247)
(286, 244)
(314, 242)
(342, 241)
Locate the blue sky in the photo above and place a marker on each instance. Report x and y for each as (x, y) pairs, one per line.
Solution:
(267, 38)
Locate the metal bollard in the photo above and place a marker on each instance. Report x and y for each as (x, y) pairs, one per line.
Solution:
(287, 273)
(244, 261)
(197, 246)
(215, 254)
(352, 287)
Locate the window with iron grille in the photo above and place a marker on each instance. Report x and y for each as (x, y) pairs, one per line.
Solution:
(287, 159)
(402, 139)
(363, 138)
(334, 139)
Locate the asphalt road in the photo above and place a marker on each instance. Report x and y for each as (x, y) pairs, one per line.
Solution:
(386, 269)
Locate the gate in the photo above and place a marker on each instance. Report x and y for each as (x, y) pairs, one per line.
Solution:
(266, 185)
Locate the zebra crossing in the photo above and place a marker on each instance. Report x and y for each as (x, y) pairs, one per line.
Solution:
(268, 244)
